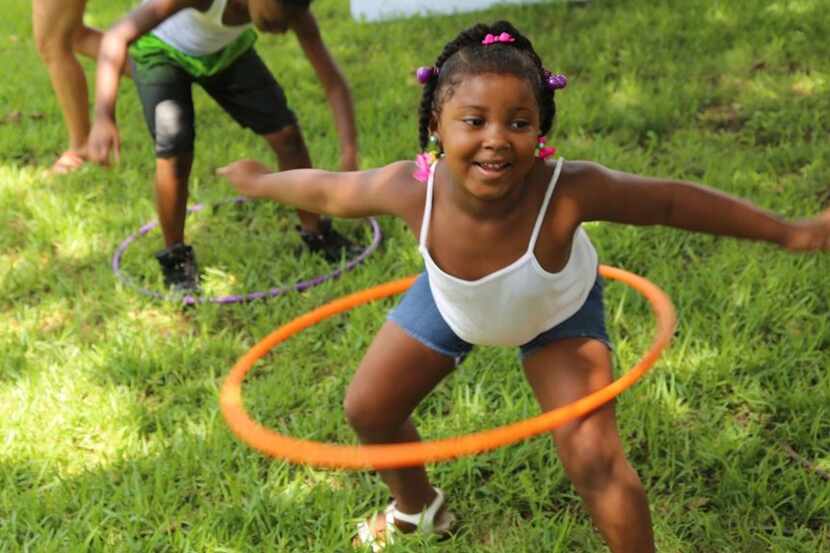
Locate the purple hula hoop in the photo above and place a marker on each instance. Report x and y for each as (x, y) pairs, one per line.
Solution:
(235, 298)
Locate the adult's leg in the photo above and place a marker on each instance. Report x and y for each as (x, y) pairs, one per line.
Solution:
(87, 41)
(56, 23)
(590, 448)
(396, 373)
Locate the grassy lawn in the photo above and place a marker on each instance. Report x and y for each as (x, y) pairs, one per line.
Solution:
(111, 434)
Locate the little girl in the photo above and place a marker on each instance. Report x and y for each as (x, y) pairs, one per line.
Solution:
(175, 43)
(507, 263)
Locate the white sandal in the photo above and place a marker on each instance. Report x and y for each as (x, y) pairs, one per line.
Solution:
(423, 521)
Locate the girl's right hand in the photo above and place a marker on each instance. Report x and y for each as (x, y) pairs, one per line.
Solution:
(243, 175)
(810, 234)
(104, 139)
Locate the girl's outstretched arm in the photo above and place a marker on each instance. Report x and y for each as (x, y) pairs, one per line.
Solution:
(603, 194)
(389, 190)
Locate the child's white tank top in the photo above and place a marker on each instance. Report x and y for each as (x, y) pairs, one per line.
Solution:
(199, 33)
(515, 304)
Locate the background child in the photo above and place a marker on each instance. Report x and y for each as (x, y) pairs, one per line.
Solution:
(210, 42)
(507, 263)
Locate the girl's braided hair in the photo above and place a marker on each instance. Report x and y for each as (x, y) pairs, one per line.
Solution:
(466, 55)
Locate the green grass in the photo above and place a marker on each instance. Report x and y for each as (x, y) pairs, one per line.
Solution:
(111, 434)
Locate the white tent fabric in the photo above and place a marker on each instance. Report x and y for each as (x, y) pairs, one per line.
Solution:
(376, 10)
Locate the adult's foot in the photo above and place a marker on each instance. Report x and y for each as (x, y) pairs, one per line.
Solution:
(68, 162)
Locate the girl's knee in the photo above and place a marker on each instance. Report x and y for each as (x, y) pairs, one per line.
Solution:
(590, 461)
(367, 417)
(359, 414)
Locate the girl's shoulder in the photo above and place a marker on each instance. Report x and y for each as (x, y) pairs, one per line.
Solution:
(397, 187)
(582, 179)
(580, 172)
(579, 186)
(410, 179)
(403, 173)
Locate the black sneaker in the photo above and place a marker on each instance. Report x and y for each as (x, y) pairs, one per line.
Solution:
(178, 264)
(330, 243)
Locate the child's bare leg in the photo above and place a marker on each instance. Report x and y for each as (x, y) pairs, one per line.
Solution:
(292, 153)
(87, 41)
(171, 195)
(396, 373)
(55, 24)
(590, 448)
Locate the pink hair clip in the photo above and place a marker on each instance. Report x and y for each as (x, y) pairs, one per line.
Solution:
(492, 39)
(425, 73)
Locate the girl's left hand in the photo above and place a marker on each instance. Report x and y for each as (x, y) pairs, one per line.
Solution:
(243, 175)
(810, 234)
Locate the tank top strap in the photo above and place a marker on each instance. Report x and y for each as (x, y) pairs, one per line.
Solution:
(544, 209)
(422, 240)
(216, 12)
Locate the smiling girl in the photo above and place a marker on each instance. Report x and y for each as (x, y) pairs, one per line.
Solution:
(507, 263)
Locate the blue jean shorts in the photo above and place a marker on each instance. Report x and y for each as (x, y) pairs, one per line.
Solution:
(419, 317)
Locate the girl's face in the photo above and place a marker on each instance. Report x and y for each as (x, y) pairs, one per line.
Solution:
(488, 128)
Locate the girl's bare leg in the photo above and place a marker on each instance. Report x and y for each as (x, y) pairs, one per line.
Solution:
(396, 373)
(590, 448)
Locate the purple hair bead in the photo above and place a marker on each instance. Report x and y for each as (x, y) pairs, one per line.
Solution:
(557, 81)
(425, 73)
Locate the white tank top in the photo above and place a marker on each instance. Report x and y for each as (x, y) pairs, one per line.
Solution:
(198, 33)
(515, 304)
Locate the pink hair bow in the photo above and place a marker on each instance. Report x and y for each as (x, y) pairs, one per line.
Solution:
(542, 151)
(546, 151)
(423, 163)
(492, 39)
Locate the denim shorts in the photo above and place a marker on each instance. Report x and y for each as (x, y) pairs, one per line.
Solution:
(419, 317)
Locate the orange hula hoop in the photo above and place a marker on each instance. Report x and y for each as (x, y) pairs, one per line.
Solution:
(386, 456)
